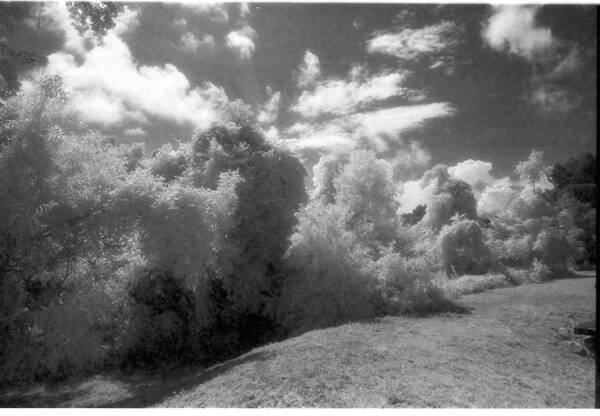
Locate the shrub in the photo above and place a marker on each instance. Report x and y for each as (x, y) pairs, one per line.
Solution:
(539, 272)
(406, 283)
(462, 248)
(69, 342)
(474, 284)
(554, 251)
(162, 327)
(330, 279)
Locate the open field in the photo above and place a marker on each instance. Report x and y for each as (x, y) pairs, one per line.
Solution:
(510, 347)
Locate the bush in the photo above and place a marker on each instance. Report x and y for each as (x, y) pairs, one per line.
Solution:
(407, 285)
(539, 272)
(474, 284)
(163, 319)
(554, 251)
(462, 248)
(330, 278)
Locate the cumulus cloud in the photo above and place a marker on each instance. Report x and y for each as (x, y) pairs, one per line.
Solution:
(309, 70)
(137, 131)
(472, 171)
(242, 42)
(244, 11)
(191, 43)
(552, 99)
(214, 11)
(339, 96)
(413, 44)
(513, 28)
(413, 193)
(107, 86)
(411, 157)
(270, 110)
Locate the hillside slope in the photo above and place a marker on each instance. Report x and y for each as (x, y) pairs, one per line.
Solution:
(510, 348)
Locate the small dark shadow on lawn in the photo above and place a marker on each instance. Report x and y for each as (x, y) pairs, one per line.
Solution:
(151, 392)
(43, 399)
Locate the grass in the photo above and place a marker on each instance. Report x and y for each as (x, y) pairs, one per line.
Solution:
(465, 285)
(513, 348)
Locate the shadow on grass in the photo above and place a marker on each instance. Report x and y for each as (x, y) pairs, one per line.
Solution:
(139, 391)
(149, 393)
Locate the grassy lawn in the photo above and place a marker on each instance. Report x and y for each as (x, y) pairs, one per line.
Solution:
(510, 347)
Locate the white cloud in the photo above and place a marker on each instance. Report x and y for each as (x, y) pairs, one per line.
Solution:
(191, 43)
(242, 42)
(472, 172)
(180, 22)
(338, 96)
(108, 87)
(391, 122)
(330, 137)
(410, 157)
(372, 129)
(309, 70)
(272, 135)
(513, 27)
(137, 131)
(215, 12)
(270, 110)
(126, 21)
(244, 11)
(412, 194)
(552, 99)
(411, 44)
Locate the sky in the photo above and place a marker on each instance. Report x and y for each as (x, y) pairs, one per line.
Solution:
(476, 87)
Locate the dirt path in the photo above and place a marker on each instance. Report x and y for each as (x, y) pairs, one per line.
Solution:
(510, 348)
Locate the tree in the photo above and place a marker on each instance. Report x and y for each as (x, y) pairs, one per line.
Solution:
(330, 276)
(271, 191)
(463, 249)
(531, 170)
(576, 178)
(449, 197)
(365, 191)
(324, 173)
(99, 17)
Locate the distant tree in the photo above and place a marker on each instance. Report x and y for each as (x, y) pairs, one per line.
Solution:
(324, 173)
(450, 197)
(531, 170)
(168, 162)
(13, 61)
(463, 249)
(365, 191)
(495, 200)
(577, 178)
